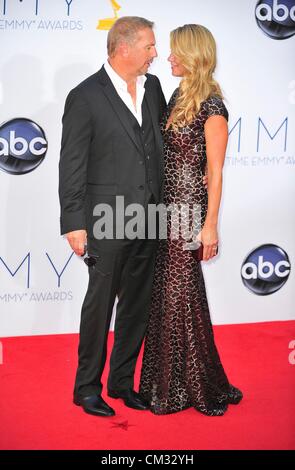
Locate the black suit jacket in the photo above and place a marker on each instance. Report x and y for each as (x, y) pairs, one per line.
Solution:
(100, 152)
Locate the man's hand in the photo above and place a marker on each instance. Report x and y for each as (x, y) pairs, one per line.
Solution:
(77, 239)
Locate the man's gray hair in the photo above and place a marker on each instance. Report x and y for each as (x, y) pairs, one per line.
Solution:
(125, 29)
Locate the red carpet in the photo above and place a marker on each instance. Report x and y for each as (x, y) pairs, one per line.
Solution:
(36, 410)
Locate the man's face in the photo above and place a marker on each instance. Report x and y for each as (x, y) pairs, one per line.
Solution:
(142, 52)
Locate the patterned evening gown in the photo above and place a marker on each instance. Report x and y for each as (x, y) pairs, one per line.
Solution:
(181, 365)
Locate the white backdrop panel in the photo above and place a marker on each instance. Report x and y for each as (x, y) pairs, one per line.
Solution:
(45, 53)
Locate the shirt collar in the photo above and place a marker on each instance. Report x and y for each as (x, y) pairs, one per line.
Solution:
(118, 81)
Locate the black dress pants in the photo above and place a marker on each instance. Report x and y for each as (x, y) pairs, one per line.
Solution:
(124, 268)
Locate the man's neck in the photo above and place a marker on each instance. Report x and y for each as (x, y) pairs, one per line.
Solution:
(130, 79)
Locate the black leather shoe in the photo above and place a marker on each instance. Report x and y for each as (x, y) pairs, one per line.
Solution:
(94, 405)
(131, 399)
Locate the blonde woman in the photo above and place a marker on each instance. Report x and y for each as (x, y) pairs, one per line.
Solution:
(181, 365)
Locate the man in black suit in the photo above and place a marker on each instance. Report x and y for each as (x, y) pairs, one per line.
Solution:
(111, 146)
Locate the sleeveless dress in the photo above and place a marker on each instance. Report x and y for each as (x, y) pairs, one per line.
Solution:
(181, 365)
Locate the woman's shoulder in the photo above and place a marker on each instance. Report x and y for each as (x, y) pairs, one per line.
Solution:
(214, 106)
(174, 95)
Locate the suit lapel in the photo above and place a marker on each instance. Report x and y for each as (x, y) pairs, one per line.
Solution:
(154, 112)
(118, 106)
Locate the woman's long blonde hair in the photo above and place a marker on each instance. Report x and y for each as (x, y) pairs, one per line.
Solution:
(195, 47)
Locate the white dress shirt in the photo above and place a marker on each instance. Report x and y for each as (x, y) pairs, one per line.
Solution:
(121, 88)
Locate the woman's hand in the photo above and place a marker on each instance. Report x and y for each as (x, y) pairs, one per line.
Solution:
(209, 237)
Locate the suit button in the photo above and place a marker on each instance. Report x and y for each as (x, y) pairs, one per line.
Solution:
(150, 181)
(141, 162)
(148, 157)
(141, 187)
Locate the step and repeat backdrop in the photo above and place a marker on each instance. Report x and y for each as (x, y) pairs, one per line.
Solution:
(48, 47)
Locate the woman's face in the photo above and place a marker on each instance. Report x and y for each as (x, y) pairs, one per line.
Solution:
(178, 70)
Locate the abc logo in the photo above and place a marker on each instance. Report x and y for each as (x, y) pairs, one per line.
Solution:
(266, 269)
(276, 18)
(23, 146)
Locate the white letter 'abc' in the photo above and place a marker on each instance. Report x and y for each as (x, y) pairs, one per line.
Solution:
(10, 147)
(279, 12)
(269, 268)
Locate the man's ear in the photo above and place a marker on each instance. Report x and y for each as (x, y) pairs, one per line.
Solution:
(123, 49)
